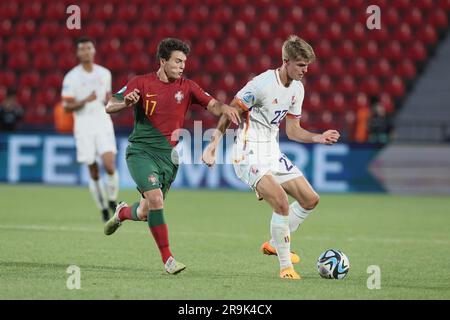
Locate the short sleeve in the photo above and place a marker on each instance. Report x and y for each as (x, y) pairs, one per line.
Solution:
(295, 109)
(68, 90)
(248, 96)
(199, 96)
(130, 86)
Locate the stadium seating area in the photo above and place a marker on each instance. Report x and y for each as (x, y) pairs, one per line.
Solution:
(231, 42)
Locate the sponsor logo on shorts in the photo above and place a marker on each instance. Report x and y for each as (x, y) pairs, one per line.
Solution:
(152, 179)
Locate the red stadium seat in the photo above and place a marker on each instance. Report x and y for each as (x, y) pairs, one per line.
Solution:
(213, 32)
(109, 45)
(262, 63)
(127, 12)
(116, 62)
(438, 18)
(67, 62)
(391, 17)
(15, 45)
(346, 50)
(315, 68)
(393, 51)
(359, 100)
(312, 103)
(24, 96)
(118, 30)
(358, 33)
(403, 33)
(358, 68)
(239, 30)
(142, 30)
(63, 46)
(387, 102)
(370, 86)
(95, 29)
(323, 84)
(19, 61)
(7, 78)
(132, 46)
(29, 79)
(311, 32)
(334, 67)
(346, 85)
(206, 48)
(369, 50)
(417, 51)
(55, 12)
(189, 31)
(49, 29)
(198, 14)
(204, 80)
(43, 61)
(103, 12)
(230, 47)
(406, 69)
(46, 97)
(424, 4)
(414, 17)
(228, 83)
(175, 14)
(239, 63)
(271, 14)
(295, 15)
(252, 47)
(40, 44)
(323, 50)
(427, 35)
(32, 10)
(274, 48)
(343, 16)
(285, 29)
(54, 80)
(247, 14)
(320, 16)
(216, 64)
(394, 87)
(336, 103)
(9, 10)
(381, 68)
(151, 13)
(26, 28)
(222, 14)
(140, 62)
(6, 28)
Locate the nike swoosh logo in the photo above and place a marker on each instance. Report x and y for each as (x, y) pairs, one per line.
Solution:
(150, 95)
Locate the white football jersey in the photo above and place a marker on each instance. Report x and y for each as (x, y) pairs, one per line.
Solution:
(268, 102)
(79, 84)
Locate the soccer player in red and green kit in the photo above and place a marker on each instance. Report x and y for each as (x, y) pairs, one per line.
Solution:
(160, 101)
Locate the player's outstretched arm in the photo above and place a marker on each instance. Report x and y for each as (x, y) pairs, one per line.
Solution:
(209, 154)
(115, 105)
(218, 108)
(295, 132)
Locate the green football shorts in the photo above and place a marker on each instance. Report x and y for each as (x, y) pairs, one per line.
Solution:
(151, 168)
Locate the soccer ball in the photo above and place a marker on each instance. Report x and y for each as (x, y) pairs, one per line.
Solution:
(333, 264)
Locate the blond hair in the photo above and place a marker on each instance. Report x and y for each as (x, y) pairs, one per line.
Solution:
(295, 48)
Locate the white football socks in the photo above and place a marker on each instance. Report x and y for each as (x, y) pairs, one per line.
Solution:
(98, 193)
(279, 229)
(112, 186)
(296, 217)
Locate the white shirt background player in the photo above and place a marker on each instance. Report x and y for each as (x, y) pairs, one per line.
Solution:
(85, 90)
(257, 159)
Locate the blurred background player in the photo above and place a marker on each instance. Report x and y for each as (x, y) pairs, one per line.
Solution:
(11, 113)
(85, 91)
(161, 100)
(265, 101)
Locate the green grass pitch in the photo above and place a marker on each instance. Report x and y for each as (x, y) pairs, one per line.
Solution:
(217, 234)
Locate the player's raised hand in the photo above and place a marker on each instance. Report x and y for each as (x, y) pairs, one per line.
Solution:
(132, 98)
(209, 155)
(329, 137)
(232, 114)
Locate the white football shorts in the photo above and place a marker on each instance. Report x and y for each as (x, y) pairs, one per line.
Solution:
(93, 143)
(259, 159)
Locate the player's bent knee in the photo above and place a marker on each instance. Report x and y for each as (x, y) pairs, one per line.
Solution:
(155, 201)
(312, 202)
(282, 207)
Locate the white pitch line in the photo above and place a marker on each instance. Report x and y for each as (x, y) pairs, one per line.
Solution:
(222, 235)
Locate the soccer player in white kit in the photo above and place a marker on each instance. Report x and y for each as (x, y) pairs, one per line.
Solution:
(85, 91)
(264, 102)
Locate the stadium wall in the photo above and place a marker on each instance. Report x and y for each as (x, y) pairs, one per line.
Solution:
(51, 159)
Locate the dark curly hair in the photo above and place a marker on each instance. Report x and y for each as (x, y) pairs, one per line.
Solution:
(166, 46)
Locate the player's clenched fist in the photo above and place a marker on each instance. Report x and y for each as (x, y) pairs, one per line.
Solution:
(132, 98)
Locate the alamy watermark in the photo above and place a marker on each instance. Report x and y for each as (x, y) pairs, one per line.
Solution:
(374, 280)
(74, 279)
